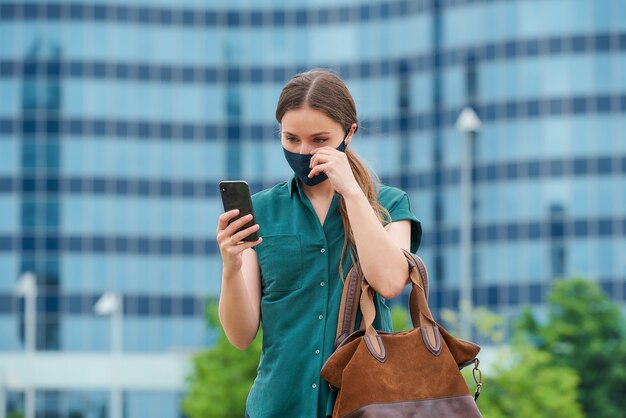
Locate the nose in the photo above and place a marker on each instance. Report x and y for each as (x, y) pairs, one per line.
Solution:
(305, 148)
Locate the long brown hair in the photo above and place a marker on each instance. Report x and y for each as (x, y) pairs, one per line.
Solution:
(323, 90)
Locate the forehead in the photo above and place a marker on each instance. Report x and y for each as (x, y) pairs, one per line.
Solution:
(306, 120)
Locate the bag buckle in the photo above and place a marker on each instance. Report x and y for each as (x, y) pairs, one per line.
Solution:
(478, 378)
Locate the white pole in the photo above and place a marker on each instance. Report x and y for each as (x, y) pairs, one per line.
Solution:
(27, 288)
(113, 304)
(3, 398)
(116, 326)
(29, 408)
(30, 322)
(117, 403)
(466, 239)
(468, 123)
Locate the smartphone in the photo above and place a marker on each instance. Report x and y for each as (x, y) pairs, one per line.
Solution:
(236, 195)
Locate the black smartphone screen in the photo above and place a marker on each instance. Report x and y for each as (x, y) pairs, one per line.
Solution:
(236, 195)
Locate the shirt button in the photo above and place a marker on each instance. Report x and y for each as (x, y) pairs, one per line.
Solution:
(317, 351)
(320, 317)
(323, 250)
(322, 284)
(314, 385)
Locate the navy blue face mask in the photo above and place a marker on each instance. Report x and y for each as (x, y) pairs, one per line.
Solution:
(300, 163)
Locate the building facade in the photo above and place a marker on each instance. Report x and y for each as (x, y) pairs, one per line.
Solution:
(118, 118)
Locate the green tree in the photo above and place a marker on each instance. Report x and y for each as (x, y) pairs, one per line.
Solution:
(400, 318)
(526, 383)
(221, 377)
(584, 332)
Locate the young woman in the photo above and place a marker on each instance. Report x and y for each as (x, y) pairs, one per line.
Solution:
(312, 227)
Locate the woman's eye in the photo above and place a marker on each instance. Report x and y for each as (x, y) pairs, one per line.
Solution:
(292, 139)
(320, 140)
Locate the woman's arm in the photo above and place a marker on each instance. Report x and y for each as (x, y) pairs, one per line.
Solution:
(240, 297)
(379, 249)
(240, 302)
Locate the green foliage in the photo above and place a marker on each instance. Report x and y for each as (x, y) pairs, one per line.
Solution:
(400, 318)
(527, 384)
(222, 376)
(486, 323)
(584, 332)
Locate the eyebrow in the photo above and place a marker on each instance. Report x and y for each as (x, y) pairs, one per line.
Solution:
(315, 134)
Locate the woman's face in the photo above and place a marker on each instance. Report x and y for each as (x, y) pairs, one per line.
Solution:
(305, 129)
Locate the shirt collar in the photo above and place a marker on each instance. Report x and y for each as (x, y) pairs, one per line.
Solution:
(292, 184)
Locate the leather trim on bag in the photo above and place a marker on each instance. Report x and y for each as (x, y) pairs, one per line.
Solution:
(459, 406)
(350, 308)
(433, 348)
(424, 273)
(467, 363)
(383, 355)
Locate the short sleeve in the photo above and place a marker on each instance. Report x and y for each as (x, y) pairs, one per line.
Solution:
(399, 206)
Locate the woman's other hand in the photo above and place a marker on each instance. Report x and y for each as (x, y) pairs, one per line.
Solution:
(335, 165)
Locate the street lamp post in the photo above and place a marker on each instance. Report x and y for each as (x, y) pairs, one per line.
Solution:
(469, 124)
(3, 398)
(112, 304)
(27, 288)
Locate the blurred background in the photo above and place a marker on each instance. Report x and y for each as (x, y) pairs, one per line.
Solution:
(118, 118)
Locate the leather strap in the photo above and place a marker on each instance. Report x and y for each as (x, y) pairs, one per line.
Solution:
(351, 297)
(357, 292)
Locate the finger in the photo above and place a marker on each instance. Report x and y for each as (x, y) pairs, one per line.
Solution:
(319, 159)
(249, 244)
(222, 221)
(320, 168)
(253, 243)
(244, 245)
(239, 236)
(237, 224)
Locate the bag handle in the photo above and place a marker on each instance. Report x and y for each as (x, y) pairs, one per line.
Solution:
(357, 292)
(350, 299)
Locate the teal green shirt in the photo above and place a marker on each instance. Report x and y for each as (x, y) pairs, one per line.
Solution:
(300, 297)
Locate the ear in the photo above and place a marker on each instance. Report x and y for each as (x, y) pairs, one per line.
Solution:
(351, 132)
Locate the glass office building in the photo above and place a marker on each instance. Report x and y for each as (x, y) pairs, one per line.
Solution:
(118, 118)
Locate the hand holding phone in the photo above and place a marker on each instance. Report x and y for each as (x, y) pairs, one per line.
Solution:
(236, 195)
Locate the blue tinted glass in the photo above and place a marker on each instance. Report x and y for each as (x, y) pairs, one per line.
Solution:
(9, 337)
(171, 161)
(9, 105)
(86, 333)
(9, 208)
(154, 404)
(84, 403)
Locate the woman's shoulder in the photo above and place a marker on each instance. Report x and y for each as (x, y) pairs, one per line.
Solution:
(271, 195)
(389, 194)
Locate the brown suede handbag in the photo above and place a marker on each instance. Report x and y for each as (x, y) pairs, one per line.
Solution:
(414, 373)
